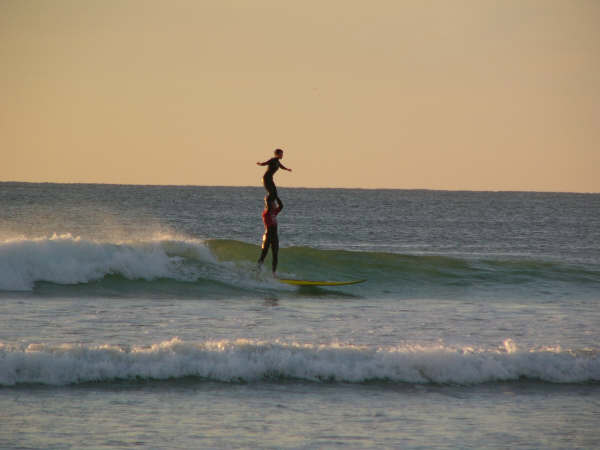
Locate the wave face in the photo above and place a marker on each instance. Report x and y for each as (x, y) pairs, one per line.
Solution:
(68, 260)
(251, 361)
(442, 270)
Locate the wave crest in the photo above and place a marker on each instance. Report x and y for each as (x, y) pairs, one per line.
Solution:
(246, 360)
(65, 259)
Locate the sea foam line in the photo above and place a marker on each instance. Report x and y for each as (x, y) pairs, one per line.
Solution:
(245, 360)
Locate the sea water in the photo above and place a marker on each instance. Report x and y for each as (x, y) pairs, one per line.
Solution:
(136, 316)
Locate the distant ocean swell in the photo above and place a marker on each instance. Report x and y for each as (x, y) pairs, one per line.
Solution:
(68, 260)
(251, 361)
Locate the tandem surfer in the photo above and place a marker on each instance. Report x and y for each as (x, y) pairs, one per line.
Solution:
(273, 206)
(273, 165)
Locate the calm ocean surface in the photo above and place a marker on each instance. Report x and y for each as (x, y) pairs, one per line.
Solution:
(135, 316)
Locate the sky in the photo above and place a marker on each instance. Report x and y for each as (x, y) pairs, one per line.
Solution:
(423, 94)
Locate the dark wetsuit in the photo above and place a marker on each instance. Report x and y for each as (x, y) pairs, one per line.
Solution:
(270, 238)
(268, 182)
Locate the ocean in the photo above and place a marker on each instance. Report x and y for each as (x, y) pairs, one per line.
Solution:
(136, 316)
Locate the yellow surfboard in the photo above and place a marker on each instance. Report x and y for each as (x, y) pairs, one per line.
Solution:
(319, 283)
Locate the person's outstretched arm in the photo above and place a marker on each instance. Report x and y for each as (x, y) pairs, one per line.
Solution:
(263, 163)
(284, 168)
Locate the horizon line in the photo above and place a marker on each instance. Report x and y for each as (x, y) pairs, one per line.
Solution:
(301, 187)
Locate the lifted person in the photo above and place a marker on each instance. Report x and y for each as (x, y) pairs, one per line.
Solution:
(273, 206)
(274, 164)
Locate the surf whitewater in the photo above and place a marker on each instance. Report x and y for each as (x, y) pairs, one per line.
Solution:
(170, 262)
(252, 361)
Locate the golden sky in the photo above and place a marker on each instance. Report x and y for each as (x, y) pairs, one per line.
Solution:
(437, 94)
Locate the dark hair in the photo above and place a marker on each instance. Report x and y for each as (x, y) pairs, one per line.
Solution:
(278, 150)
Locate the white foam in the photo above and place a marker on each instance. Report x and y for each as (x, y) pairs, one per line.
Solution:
(255, 360)
(65, 259)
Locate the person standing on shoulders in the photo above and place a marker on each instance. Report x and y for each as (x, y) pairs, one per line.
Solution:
(273, 165)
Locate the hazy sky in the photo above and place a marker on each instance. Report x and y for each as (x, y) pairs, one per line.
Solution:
(441, 94)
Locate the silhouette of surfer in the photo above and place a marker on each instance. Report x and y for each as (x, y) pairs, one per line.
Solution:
(270, 238)
(273, 165)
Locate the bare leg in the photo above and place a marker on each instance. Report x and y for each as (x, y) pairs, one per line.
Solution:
(274, 247)
(265, 247)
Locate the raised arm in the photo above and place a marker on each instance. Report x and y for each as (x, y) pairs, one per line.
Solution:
(263, 163)
(284, 168)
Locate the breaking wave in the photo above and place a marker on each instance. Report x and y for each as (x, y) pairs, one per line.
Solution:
(68, 260)
(252, 361)
(64, 259)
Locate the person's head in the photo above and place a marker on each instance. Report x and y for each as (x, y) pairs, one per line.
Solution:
(278, 153)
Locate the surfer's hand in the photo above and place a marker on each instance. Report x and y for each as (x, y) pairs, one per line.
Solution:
(289, 170)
